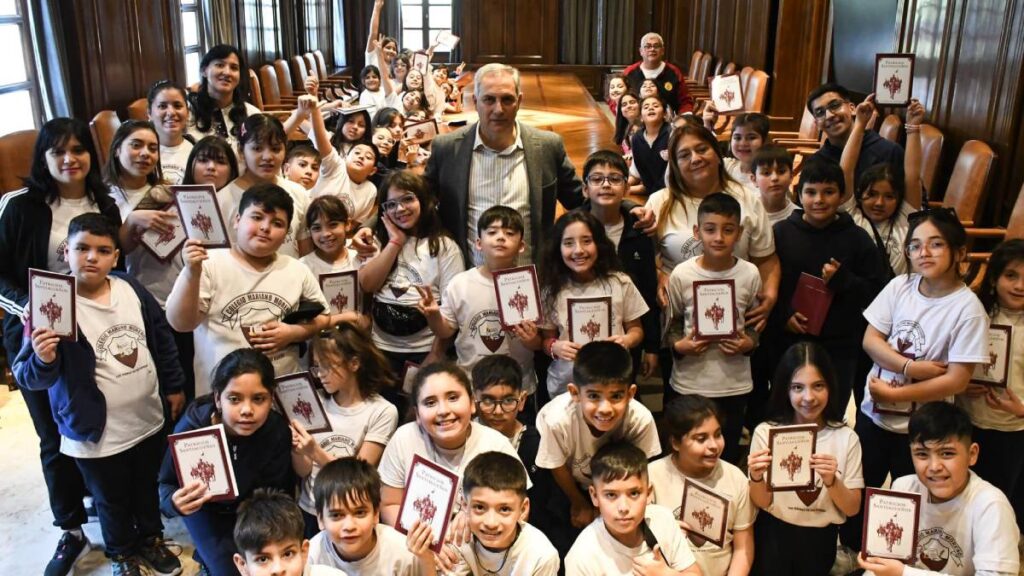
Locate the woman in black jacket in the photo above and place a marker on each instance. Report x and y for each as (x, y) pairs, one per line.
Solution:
(64, 182)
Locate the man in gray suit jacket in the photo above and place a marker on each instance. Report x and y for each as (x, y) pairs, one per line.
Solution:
(500, 161)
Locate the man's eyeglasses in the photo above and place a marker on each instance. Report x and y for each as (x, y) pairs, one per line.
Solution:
(508, 403)
(833, 107)
(652, 46)
(599, 179)
(404, 201)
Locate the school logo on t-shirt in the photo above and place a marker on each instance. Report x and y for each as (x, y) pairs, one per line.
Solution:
(403, 278)
(936, 547)
(61, 256)
(338, 445)
(909, 338)
(253, 309)
(487, 326)
(120, 341)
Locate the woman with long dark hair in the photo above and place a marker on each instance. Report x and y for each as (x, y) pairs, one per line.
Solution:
(219, 107)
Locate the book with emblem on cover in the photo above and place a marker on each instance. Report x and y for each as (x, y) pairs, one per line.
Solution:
(791, 448)
(518, 294)
(590, 319)
(202, 455)
(51, 303)
(200, 214)
(705, 511)
(296, 398)
(890, 524)
(428, 497)
(714, 310)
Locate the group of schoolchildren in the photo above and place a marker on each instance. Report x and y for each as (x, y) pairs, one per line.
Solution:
(554, 460)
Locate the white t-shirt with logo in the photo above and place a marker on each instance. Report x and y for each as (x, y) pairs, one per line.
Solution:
(597, 553)
(359, 198)
(953, 328)
(565, 436)
(726, 480)
(230, 197)
(372, 420)
(893, 232)
(320, 266)
(815, 508)
(776, 217)
(416, 267)
(390, 557)
(125, 373)
(156, 275)
(627, 305)
(410, 440)
(532, 554)
(470, 304)
(677, 244)
(984, 416)
(974, 533)
(234, 300)
(64, 211)
(174, 160)
(712, 374)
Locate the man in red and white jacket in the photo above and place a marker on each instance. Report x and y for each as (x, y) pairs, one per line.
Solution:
(667, 76)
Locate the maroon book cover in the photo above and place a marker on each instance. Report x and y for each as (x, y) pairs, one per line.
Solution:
(812, 298)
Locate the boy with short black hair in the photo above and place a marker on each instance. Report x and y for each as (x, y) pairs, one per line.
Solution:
(966, 525)
(630, 536)
(598, 409)
(605, 177)
(237, 297)
(468, 310)
(107, 391)
(717, 370)
(268, 535)
(503, 544)
(302, 165)
(352, 539)
(772, 173)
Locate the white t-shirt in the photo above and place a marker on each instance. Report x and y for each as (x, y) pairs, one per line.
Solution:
(677, 243)
(565, 436)
(776, 217)
(156, 275)
(416, 267)
(64, 211)
(726, 480)
(712, 374)
(815, 509)
(230, 197)
(974, 533)
(319, 266)
(530, 555)
(734, 168)
(614, 232)
(627, 305)
(892, 232)
(953, 328)
(234, 299)
(469, 303)
(375, 99)
(372, 420)
(597, 553)
(410, 440)
(125, 373)
(228, 125)
(390, 557)
(174, 160)
(981, 414)
(360, 199)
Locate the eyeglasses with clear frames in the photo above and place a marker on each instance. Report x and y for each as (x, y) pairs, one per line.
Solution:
(833, 106)
(319, 372)
(934, 247)
(404, 201)
(600, 179)
(508, 403)
(652, 46)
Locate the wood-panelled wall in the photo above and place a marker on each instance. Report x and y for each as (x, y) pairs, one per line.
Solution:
(510, 31)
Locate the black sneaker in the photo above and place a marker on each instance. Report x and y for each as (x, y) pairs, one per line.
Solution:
(155, 554)
(69, 550)
(126, 566)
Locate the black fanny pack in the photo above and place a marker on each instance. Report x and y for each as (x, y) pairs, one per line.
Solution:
(398, 320)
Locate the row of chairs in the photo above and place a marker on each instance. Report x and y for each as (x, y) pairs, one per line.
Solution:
(753, 83)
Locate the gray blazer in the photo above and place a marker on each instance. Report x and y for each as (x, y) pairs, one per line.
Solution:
(549, 171)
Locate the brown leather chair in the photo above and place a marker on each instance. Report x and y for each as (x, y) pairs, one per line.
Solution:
(890, 129)
(284, 79)
(691, 72)
(932, 140)
(280, 110)
(968, 183)
(103, 126)
(806, 135)
(139, 109)
(271, 88)
(745, 73)
(703, 69)
(977, 262)
(255, 95)
(300, 72)
(729, 68)
(16, 158)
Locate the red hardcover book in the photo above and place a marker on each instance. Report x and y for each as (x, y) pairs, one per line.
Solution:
(812, 298)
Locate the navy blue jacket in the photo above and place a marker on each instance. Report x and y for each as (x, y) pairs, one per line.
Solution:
(76, 401)
(873, 150)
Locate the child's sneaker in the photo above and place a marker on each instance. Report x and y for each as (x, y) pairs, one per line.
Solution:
(69, 550)
(126, 566)
(159, 557)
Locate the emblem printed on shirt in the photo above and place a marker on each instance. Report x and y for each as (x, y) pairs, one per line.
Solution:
(403, 278)
(908, 338)
(936, 548)
(61, 256)
(121, 342)
(250, 311)
(486, 325)
(338, 445)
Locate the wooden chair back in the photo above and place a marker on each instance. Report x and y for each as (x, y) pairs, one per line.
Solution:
(932, 140)
(299, 74)
(311, 66)
(270, 84)
(729, 68)
(284, 79)
(969, 181)
(16, 151)
(703, 68)
(691, 72)
(745, 73)
(321, 64)
(890, 128)
(256, 94)
(755, 92)
(103, 126)
(139, 109)
(1015, 226)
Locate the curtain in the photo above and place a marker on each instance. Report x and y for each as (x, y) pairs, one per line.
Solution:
(219, 20)
(45, 28)
(598, 32)
(391, 20)
(339, 51)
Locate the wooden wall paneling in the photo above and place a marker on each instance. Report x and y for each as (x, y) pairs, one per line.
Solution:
(510, 31)
(968, 73)
(751, 29)
(800, 47)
